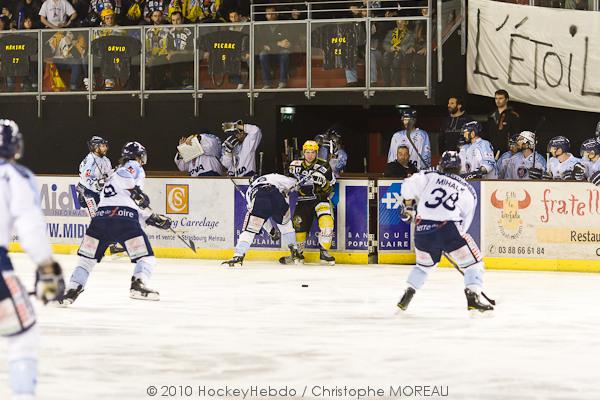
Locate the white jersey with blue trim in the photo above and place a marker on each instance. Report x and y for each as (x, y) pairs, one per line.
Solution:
(20, 211)
(502, 163)
(519, 165)
(242, 159)
(420, 138)
(556, 169)
(479, 154)
(441, 197)
(591, 167)
(284, 184)
(116, 192)
(207, 162)
(338, 162)
(93, 168)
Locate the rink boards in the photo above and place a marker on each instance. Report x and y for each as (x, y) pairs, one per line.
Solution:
(519, 225)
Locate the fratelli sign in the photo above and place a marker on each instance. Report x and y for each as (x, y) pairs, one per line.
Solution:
(540, 55)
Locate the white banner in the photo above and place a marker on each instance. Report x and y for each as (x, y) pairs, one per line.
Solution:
(540, 55)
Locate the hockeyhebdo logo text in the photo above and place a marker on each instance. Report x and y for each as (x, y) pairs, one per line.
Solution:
(60, 201)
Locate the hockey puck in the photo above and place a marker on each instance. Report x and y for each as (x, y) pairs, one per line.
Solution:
(304, 285)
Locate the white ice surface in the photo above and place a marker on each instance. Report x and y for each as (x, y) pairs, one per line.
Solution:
(257, 325)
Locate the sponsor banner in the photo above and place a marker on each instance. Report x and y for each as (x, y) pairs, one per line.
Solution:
(540, 55)
(393, 234)
(356, 226)
(547, 220)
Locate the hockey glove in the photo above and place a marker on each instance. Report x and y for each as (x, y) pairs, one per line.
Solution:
(473, 175)
(568, 175)
(140, 198)
(407, 212)
(81, 196)
(159, 221)
(49, 282)
(595, 178)
(579, 172)
(536, 173)
(230, 143)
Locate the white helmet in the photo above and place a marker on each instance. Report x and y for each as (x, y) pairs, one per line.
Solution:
(528, 137)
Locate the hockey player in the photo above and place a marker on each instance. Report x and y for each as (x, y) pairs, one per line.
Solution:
(563, 165)
(417, 141)
(207, 164)
(122, 206)
(519, 165)
(478, 155)
(316, 182)
(590, 154)
(502, 162)
(267, 198)
(239, 149)
(446, 209)
(20, 213)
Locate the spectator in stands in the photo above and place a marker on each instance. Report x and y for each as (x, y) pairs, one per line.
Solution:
(28, 8)
(8, 16)
(362, 12)
(180, 50)
(135, 12)
(154, 12)
(56, 14)
(157, 43)
(453, 127)
(82, 8)
(401, 167)
(396, 46)
(235, 17)
(576, 4)
(503, 122)
(209, 11)
(274, 48)
(4, 23)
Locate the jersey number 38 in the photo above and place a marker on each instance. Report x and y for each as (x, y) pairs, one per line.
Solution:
(441, 197)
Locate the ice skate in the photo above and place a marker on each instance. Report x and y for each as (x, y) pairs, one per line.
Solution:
(406, 298)
(236, 261)
(474, 304)
(116, 251)
(325, 257)
(70, 296)
(139, 291)
(296, 257)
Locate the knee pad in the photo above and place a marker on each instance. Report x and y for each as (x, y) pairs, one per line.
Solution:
(418, 275)
(323, 208)
(252, 223)
(144, 267)
(89, 248)
(424, 258)
(326, 234)
(137, 248)
(474, 277)
(468, 254)
(22, 363)
(16, 311)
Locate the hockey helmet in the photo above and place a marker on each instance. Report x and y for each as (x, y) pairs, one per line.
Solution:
(11, 140)
(450, 162)
(473, 126)
(96, 141)
(409, 113)
(133, 150)
(528, 138)
(310, 145)
(559, 142)
(590, 145)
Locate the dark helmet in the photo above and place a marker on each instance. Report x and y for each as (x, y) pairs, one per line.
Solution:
(559, 142)
(590, 145)
(513, 139)
(96, 141)
(11, 140)
(473, 126)
(450, 162)
(409, 113)
(133, 150)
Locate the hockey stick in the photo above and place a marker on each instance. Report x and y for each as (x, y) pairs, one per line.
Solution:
(491, 301)
(190, 244)
(535, 141)
(418, 153)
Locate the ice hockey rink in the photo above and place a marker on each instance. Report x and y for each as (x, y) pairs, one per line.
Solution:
(257, 326)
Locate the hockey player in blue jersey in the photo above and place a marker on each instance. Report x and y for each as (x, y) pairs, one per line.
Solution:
(502, 162)
(446, 206)
(93, 172)
(477, 155)
(417, 141)
(562, 165)
(590, 154)
(267, 199)
(519, 165)
(122, 207)
(20, 213)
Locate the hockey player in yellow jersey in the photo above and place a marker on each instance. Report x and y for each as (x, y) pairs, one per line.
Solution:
(316, 182)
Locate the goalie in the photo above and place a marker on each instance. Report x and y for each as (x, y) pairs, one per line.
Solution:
(316, 185)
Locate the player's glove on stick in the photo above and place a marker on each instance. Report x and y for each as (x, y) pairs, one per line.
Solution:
(159, 221)
(49, 282)
(473, 175)
(595, 178)
(140, 198)
(230, 143)
(536, 173)
(579, 172)
(407, 213)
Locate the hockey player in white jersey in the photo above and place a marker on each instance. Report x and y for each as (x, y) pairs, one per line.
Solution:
(590, 154)
(123, 206)
(20, 213)
(519, 165)
(562, 165)
(93, 172)
(477, 154)
(239, 149)
(446, 206)
(417, 141)
(267, 198)
(206, 164)
(502, 162)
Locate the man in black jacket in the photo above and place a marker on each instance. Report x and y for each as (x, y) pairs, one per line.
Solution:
(402, 167)
(453, 127)
(502, 123)
(274, 47)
